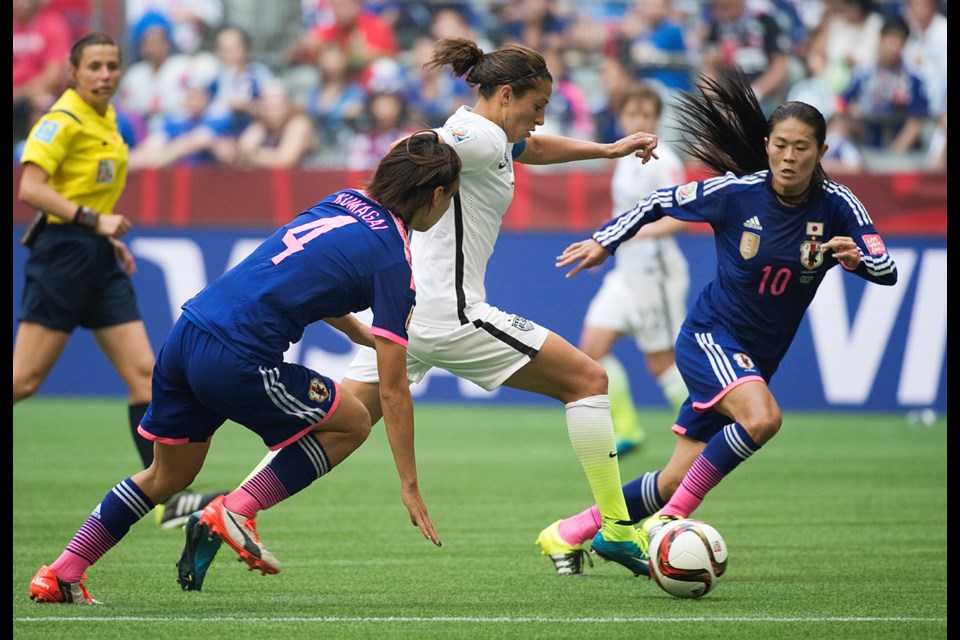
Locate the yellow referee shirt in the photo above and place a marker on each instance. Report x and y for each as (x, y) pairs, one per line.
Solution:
(82, 152)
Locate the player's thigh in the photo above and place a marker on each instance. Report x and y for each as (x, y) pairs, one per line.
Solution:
(561, 371)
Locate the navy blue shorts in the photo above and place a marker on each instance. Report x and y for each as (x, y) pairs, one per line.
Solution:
(199, 383)
(712, 363)
(73, 280)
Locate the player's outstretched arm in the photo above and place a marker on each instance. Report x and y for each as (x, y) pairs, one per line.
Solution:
(397, 405)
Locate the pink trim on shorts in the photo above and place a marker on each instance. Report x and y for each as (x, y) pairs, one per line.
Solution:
(173, 441)
(300, 434)
(389, 335)
(703, 406)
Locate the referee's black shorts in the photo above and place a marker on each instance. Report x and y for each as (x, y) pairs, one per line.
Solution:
(73, 279)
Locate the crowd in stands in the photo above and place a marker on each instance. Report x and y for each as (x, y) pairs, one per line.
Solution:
(332, 82)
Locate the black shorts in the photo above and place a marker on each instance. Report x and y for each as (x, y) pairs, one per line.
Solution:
(73, 279)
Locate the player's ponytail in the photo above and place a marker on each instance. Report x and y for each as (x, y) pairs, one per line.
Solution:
(406, 177)
(516, 65)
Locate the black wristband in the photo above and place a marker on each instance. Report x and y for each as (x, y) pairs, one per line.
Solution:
(86, 217)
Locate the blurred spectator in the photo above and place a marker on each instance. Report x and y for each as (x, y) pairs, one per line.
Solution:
(653, 41)
(272, 26)
(739, 35)
(457, 21)
(386, 123)
(568, 112)
(588, 41)
(41, 48)
(336, 102)
(616, 79)
(280, 136)
(238, 82)
(925, 51)
(434, 93)
(787, 13)
(194, 21)
(936, 159)
(186, 137)
(843, 152)
(156, 84)
(535, 23)
(889, 100)
(361, 35)
(847, 38)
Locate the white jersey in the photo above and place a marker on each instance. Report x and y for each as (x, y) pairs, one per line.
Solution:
(450, 260)
(633, 181)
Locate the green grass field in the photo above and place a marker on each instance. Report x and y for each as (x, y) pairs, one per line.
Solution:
(836, 529)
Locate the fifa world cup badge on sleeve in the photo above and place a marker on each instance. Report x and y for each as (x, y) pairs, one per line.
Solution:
(687, 193)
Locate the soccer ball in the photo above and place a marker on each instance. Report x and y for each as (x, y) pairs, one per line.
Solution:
(687, 558)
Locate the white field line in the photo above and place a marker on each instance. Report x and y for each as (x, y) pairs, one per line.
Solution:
(491, 619)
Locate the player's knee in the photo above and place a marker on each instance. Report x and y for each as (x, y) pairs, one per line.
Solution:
(594, 381)
(24, 387)
(763, 426)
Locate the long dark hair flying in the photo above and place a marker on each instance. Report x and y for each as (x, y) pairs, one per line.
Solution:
(727, 127)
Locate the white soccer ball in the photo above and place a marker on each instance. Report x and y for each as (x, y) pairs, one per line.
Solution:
(687, 558)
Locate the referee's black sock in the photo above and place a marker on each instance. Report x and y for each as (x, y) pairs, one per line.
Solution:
(144, 447)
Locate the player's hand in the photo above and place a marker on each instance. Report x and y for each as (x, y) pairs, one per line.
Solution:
(639, 144)
(113, 226)
(844, 249)
(124, 257)
(589, 253)
(418, 514)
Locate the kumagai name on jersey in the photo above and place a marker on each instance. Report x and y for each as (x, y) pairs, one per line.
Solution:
(342, 255)
(769, 256)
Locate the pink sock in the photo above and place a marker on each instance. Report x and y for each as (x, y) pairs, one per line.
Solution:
(241, 503)
(581, 527)
(69, 567)
(682, 504)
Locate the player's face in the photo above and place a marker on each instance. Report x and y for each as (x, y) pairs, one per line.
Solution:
(793, 154)
(523, 114)
(97, 77)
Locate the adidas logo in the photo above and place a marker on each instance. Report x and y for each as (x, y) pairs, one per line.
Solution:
(753, 223)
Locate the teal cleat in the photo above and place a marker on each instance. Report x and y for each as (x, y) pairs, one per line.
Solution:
(198, 554)
(629, 553)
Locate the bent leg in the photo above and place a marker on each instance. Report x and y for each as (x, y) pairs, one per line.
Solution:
(756, 418)
(297, 465)
(127, 503)
(564, 372)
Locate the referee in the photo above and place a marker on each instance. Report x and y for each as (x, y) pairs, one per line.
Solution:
(78, 272)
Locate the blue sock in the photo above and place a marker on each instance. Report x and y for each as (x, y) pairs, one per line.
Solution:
(728, 448)
(120, 509)
(294, 468)
(642, 496)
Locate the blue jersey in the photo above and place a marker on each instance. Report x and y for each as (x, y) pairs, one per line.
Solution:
(344, 254)
(769, 256)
